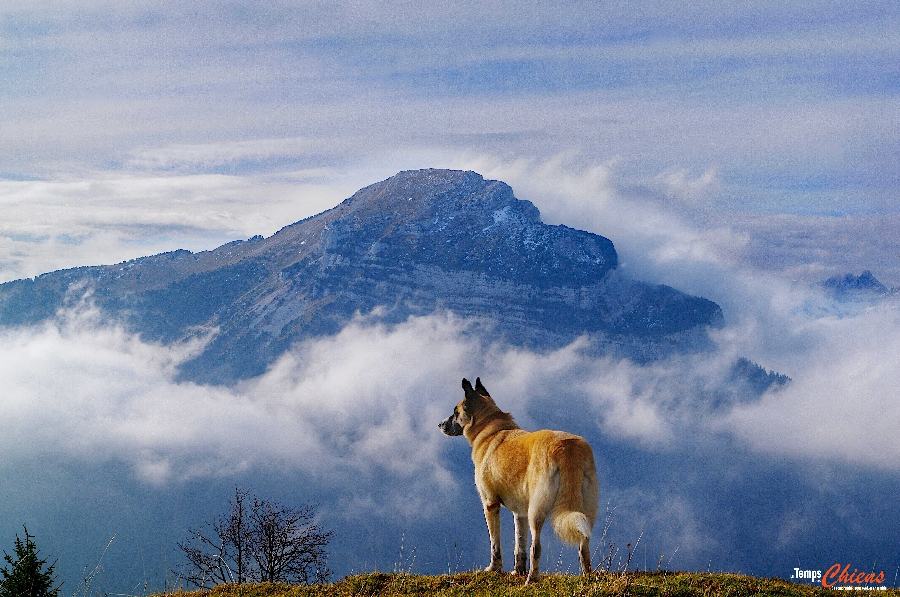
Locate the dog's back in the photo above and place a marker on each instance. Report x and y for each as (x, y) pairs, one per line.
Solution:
(551, 471)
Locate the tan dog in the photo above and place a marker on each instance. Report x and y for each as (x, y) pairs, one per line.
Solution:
(534, 474)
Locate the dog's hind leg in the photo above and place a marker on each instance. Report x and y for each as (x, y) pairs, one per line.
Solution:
(521, 544)
(584, 553)
(536, 520)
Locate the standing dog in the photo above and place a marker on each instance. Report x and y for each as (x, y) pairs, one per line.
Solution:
(534, 474)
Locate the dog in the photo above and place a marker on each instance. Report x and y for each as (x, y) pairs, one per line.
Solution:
(536, 475)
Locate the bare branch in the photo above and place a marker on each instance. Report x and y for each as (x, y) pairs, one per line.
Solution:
(263, 542)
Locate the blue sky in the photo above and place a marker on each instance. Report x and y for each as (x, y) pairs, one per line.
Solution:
(740, 151)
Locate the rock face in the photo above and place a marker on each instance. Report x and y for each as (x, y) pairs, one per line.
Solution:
(416, 243)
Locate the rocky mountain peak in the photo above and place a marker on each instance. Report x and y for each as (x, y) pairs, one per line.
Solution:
(440, 197)
(460, 221)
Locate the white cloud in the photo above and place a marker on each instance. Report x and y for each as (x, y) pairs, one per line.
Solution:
(813, 248)
(681, 184)
(367, 399)
(841, 404)
(107, 218)
(844, 402)
(361, 400)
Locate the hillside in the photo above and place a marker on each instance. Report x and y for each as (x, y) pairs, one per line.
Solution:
(679, 584)
(417, 243)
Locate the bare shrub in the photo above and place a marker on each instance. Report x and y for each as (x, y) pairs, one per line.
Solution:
(257, 541)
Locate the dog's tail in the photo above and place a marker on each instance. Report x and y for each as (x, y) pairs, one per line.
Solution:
(575, 509)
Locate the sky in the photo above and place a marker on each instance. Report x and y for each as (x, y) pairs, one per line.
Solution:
(743, 152)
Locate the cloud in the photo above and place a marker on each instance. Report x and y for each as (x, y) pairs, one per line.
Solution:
(366, 398)
(812, 248)
(369, 397)
(843, 402)
(780, 101)
(363, 400)
(107, 218)
(212, 156)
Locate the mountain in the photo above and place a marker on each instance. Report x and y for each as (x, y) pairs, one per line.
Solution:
(414, 244)
(864, 287)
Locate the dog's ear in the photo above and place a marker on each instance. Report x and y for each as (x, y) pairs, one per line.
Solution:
(480, 388)
(472, 399)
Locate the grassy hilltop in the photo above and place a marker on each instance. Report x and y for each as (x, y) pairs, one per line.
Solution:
(669, 584)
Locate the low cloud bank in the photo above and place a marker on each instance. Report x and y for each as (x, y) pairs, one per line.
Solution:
(369, 398)
(365, 399)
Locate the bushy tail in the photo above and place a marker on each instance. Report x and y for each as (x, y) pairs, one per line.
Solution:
(572, 527)
(575, 508)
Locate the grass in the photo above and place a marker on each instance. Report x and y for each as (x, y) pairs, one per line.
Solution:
(664, 584)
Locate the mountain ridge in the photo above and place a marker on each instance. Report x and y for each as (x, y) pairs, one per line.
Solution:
(416, 243)
(862, 288)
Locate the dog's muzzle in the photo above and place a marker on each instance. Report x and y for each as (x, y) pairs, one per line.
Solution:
(450, 426)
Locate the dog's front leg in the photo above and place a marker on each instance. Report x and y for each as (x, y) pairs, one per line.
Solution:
(521, 544)
(492, 516)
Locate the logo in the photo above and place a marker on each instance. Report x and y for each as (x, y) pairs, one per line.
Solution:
(837, 577)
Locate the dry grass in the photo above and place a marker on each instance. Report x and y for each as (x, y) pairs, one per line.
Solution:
(667, 584)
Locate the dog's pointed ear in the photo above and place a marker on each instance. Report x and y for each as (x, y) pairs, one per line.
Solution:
(472, 398)
(480, 388)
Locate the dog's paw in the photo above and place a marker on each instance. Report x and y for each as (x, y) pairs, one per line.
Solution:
(532, 578)
(495, 567)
